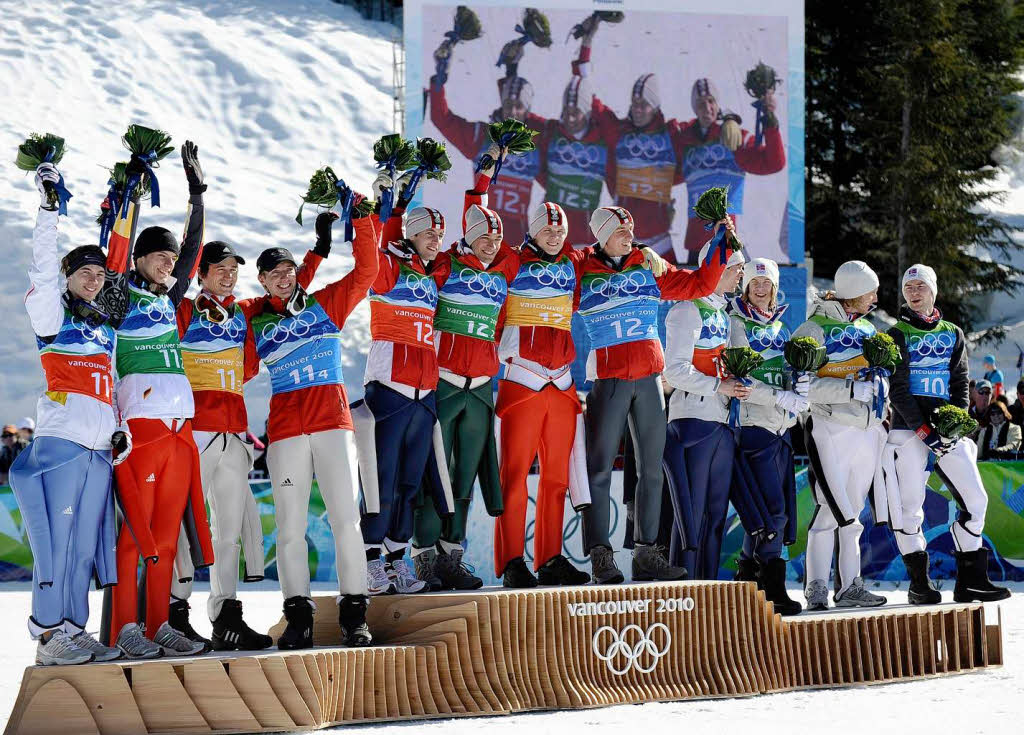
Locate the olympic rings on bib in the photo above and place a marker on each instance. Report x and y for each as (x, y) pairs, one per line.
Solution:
(575, 153)
(484, 283)
(91, 334)
(708, 157)
(297, 326)
(643, 655)
(159, 311)
(939, 345)
(230, 328)
(848, 336)
(646, 147)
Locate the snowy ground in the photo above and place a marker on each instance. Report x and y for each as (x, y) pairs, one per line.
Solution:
(988, 702)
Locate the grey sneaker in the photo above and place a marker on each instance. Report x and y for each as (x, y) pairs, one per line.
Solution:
(650, 565)
(406, 583)
(175, 642)
(455, 575)
(377, 580)
(100, 652)
(856, 595)
(61, 650)
(816, 593)
(425, 563)
(603, 567)
(134, 644)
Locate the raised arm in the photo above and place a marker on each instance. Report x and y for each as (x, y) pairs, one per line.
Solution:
(767, 158)
(195, 220)
(683, 285)
(341, 297)
(467, 137)
(43, 300)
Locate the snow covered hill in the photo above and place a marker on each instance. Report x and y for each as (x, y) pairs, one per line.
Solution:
(270, 91)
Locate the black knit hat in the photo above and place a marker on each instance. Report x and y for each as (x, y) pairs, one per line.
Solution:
(82, 256)
(155, 240)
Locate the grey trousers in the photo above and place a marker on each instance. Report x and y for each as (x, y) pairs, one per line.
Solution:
(610, 403)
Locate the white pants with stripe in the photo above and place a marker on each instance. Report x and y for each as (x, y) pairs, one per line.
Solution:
(849, 457)
(292, 462)
(906, 462)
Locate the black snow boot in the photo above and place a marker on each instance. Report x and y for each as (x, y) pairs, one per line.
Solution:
(559, 571)
(747, 570)
(517, 575)
(425, 567)
(230, 633)
(972, 582)
(352, 619)
(921, 590)
(177, 616)
(772, 579)
(298, 611)
(454, 573)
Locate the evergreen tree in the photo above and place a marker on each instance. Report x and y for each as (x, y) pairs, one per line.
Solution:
(907, 99)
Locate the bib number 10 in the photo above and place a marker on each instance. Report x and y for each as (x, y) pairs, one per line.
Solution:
(933, 386)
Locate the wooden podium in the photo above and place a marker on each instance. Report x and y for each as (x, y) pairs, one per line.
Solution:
(495, 652)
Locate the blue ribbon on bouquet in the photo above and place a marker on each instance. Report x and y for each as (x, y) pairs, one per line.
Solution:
(734, 406)
(135, 179)
(873, 374)
(717, 243)
(759, 121)
(63, 195)
(345, 198)
(110, 215)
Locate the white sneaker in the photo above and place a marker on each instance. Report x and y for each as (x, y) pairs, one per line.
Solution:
(174, 641)
(377, 580)
(406, 583)
(100, 652)
(134, 644)
(816, 593)
(60, 650)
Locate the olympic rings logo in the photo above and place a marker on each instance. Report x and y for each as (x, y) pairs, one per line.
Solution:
(560, 275)
(939, 345)
(618, 284)
(158, 310)
(91, 334)
(622, 656)
(647, 147)
(422, 289)
(848, 336)
(297, 326)
(525, 164)
(577, 154)
(483, 283)
(230, 329)
(715, 325)
(707, 156)
(765, 338)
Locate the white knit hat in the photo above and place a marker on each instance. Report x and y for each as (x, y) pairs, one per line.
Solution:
(515, 88)
(423, 218)
(761, 268)
(604, 221)
(480, 221)
(579, 94)
(703, 87)
(925, 273)
(544, 214)
(736, 258)
(646, 86)
(855, 278)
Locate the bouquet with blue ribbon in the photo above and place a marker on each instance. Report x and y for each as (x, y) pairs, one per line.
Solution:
(392, 154)
(431, 161)
(804, 355)
(148, 147)
(535, 28)
(740, 362)
(761, 80)
(46, 148)
(112, 204)
(326, 190)
(465, 27)
(512, 136)
(713, 206)
(883, 355)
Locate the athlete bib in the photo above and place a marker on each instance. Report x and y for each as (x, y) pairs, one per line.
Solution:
(713, 337)
(470, 301)
(707, 166)
(78, 359)
(844, 344)
(576, 172)
(769, 341)
(930, 355)
(620, 307)
(213, 353)
(541, 295)
(646, 166)
(405, 314)
(147, 340)
(510, 194)
(300, 351)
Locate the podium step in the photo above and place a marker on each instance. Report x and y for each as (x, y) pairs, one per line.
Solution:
(497, 651)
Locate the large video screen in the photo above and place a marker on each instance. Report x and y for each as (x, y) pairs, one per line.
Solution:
(634, 104)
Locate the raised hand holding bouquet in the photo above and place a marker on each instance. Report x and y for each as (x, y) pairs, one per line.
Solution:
(431, 161)
(465, 27)
(589, 26)
(393, 155)
(713, 208)
(148, 147)
(326, 190)
(739, 362)
(47, 148)
(512, 138)
(760, 84)
(883, 355)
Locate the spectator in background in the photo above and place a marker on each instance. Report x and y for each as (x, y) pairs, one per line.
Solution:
(993, 375)
(981, 398)
(1017, 407)
(12, 446)
(26, 429)
(1001, 438)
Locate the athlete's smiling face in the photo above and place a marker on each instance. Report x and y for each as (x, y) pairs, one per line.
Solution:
(86, 282)
(485, 247)
(514, 108)
(427, 243)
(574, 120)
(220, 278)
(761, 293)
(619, 242)
(919, 297)
(280, 282)
(156, 267)
(641, 112)
(551, 238)
(707, 110)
